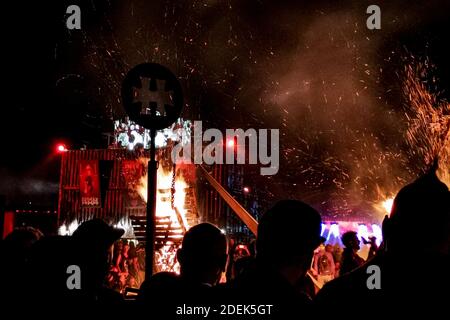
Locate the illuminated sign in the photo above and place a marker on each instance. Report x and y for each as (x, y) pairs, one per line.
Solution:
(130, 135)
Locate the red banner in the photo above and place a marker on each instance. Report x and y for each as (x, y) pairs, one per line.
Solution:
(132, 173)
(89, 183)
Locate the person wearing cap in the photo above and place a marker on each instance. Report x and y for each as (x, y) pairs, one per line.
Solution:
(92, 243)
(287, 235)
(410, 277)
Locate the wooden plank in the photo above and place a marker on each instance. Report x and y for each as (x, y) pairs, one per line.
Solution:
(240, 211)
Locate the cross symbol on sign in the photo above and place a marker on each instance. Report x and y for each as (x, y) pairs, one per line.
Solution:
(145, 96)
(152, 96)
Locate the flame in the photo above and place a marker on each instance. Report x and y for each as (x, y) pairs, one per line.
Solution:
(387, 205)
(163, 204)
(384, 201)
(165, 257)
(126, 225)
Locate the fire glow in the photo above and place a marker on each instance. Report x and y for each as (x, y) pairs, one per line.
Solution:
(428, 132)
(166, 256)
(387, 205)
(163, 205)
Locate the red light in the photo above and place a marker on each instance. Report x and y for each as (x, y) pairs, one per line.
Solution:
(230, 143)
(61, 148)
(246, 189)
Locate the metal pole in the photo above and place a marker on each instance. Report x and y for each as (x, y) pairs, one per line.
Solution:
(151, 207)
(2, 216)
(62, 171)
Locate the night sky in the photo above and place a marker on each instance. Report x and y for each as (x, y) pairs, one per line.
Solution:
(332, 87)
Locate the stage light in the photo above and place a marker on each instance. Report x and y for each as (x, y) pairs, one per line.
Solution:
(230, 143)
(246, 189)
(363, 232)
(61, 148)
(376, 231)
(67, 230)
(323, 228)
(334, 231)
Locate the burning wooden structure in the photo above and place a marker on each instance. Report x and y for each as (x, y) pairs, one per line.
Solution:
(111, 184)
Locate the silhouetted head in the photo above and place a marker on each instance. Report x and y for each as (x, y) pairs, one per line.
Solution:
(288, 233)
(420, 213)
(203, 255)
(97, 234)
(240, 251)
(160, 286)
(93, 242)
(17, 244)
(320, 248)
(49, 260)
(15, 252)
(350, 240)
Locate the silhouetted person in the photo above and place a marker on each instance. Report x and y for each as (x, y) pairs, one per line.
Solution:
(288, 233)
(350, 259)
(203, 254)
(46, 288)
(15, 252)
(245, 262)
(420, 214)
(202, 259)
(372, 242)
(240, 259)
(323, 265)
(242, 264)
(92, 242)
(66, 273)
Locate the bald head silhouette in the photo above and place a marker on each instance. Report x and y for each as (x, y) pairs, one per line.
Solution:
(421, 209)
(288, 233)
(203, 254)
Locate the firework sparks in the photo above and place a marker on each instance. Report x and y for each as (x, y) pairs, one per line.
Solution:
(340, 136)
(428, 134)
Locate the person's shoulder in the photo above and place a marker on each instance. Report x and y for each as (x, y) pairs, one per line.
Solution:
(110, 296)
(342, 287)
(160, 284)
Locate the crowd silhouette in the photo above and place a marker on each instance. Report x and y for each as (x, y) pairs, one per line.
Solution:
(412, 276)
(284, 269)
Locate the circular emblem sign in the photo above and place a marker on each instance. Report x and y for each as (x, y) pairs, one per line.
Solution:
(152, 96)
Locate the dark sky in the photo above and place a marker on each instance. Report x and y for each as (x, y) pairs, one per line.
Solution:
(314, 71)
